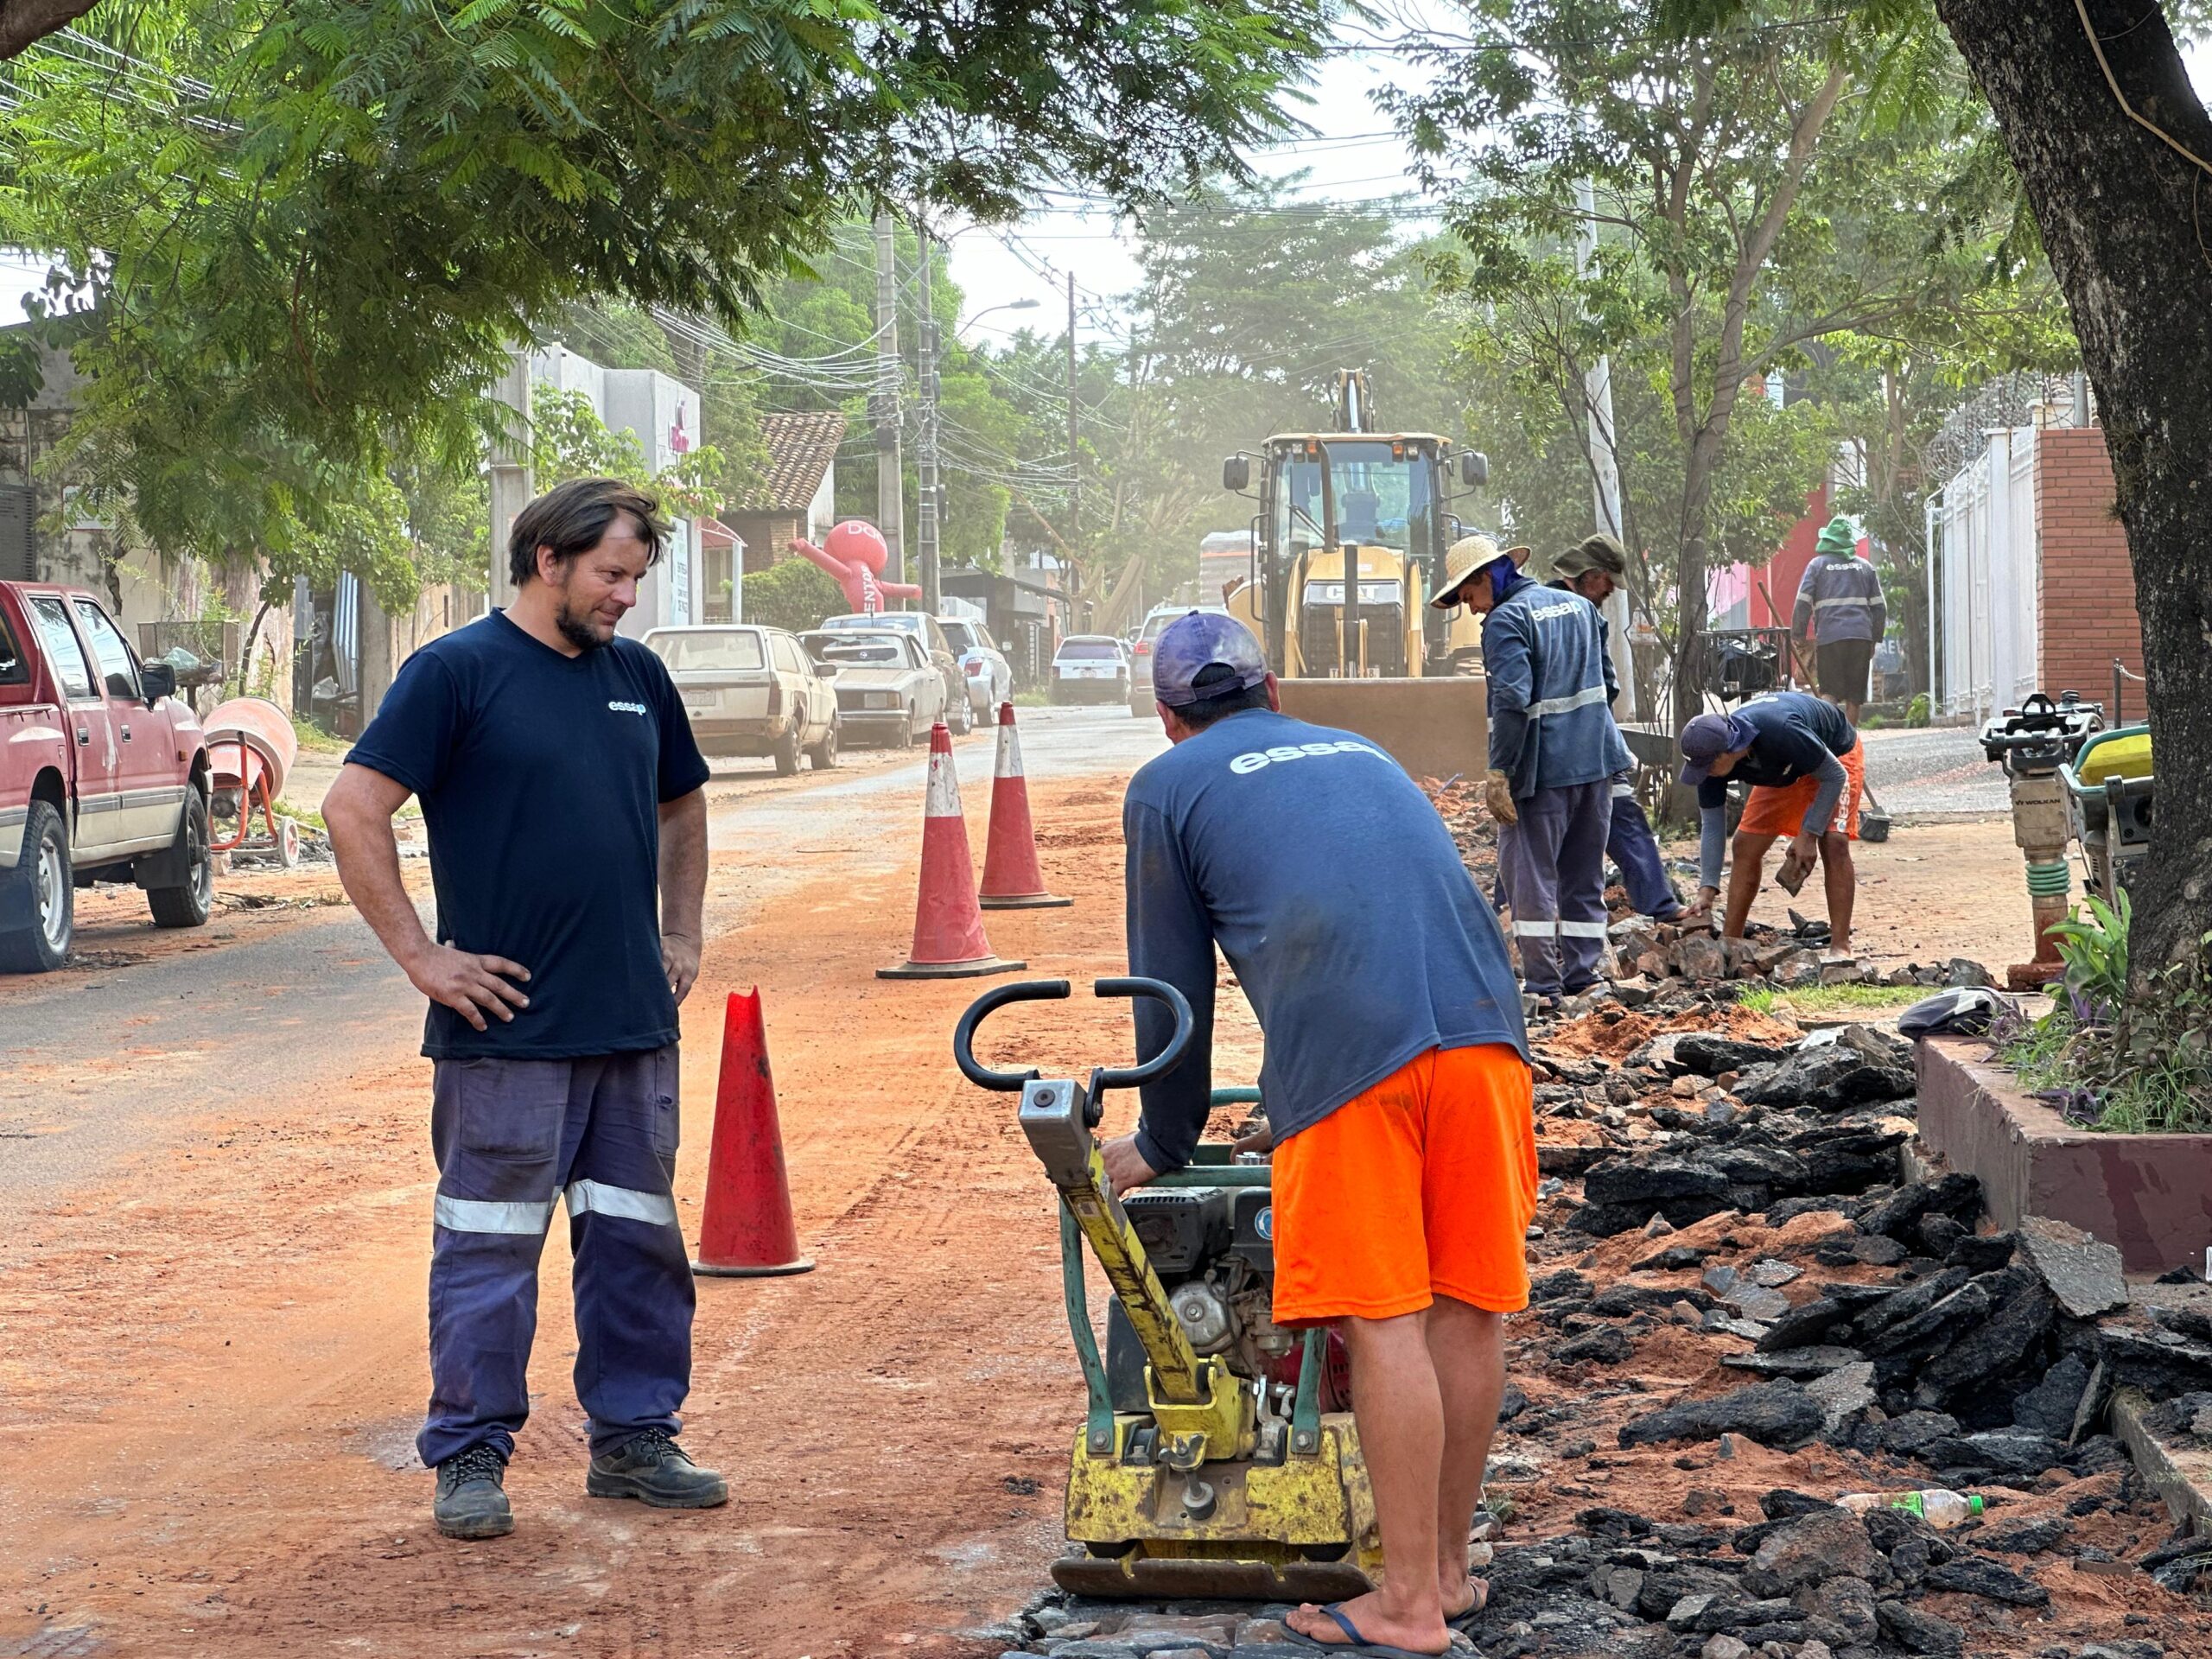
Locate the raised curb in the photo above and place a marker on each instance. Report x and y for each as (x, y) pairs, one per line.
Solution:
(2182, 1475)
(2149, 1195)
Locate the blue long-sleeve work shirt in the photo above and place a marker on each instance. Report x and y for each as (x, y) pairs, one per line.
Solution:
(1551, 689)
(1840, 598)
(1338, 898)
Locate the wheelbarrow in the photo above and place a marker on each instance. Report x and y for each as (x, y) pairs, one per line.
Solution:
(250, 749)
(2108, 793)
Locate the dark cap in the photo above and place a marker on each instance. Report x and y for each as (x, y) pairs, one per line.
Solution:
(1196, 641)
(1599, 552)
(1708, 737)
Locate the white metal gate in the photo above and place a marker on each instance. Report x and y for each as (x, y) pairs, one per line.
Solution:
(1990, 578)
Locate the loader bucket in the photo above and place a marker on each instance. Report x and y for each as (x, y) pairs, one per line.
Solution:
(1432, 728)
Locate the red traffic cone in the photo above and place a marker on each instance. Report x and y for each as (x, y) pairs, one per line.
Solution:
(746, 1231)
(1011, 878)
(949, 941)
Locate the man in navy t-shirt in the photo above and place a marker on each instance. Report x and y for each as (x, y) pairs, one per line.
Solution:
(561, 792)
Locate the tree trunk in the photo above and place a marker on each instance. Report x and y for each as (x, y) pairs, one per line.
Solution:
(2123, 217)
(23, 23)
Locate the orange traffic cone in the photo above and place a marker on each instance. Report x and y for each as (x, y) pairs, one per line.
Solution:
(949, 941)
(746, 1231)
(1011, 878)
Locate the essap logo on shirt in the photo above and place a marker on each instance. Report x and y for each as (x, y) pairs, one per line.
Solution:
(637, 708)
(1259, 758)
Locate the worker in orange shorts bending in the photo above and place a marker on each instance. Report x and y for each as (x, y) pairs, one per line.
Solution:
(1396, 1085)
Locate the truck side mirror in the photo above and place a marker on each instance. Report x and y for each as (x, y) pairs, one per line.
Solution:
(156, 680)
(1474, 468)
(1236, 473)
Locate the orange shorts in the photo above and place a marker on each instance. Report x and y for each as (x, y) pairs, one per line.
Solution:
(1423, 1186)
(1781, 811)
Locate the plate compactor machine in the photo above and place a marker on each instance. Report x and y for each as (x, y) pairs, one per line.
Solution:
(1218, 1459)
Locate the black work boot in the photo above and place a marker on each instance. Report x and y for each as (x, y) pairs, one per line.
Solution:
(654, 1469)
(471, 1503)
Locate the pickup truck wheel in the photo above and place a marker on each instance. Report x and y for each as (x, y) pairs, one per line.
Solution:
(191, 903)
(825, 753)
(786, 752)
(40, 887)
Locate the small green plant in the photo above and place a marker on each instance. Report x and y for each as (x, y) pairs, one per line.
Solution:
(1031, 700)
(1919, 711)
(1829, 998)
(2095, 953)
(306, 817)
(314, 739)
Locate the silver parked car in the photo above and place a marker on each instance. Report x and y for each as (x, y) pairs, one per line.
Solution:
(927, 629)
(887, 688)
(751, 691)
(984, 670)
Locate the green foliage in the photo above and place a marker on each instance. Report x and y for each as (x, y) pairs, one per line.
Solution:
(310, 233)
(1755, 197)
(1919, 711)
(569, 439)
(2096, 951)
(792, 594)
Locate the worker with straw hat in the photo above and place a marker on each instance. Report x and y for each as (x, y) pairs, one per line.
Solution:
(1553, 749)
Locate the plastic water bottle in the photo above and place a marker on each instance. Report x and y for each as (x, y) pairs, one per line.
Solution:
(1937, 1506)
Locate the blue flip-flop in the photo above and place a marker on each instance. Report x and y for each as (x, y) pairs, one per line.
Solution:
(1468, 1618)
(1355, 1642)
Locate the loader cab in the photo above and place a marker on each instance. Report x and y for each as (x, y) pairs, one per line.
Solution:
(1374, 504)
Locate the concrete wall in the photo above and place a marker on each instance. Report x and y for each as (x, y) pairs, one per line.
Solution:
(2085, 613)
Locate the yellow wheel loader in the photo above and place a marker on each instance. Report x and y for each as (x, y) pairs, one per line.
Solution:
(1217, 1456)
(1370, 655)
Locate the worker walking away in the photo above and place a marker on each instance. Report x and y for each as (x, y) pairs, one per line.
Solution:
(1395, 1081)
(1553, 750)
(1594, 567)
(1806, 766)
(561, 792)
(1841, 616)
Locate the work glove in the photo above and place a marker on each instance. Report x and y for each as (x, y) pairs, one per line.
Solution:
(1498, 795)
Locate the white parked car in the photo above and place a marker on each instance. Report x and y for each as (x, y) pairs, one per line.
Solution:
(959, 714)
(1090, 668)
(751, 690)
(887, 688)
(983, 667)
(1140, 698)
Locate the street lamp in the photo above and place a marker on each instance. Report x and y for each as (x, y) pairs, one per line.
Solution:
(1010, 305)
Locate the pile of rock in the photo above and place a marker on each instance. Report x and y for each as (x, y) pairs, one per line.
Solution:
(1647, 955)
(1459, 801)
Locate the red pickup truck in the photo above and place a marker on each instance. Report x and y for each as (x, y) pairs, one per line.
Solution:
(103, 775)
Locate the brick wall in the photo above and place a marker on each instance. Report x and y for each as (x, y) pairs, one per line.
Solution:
(2085, 607)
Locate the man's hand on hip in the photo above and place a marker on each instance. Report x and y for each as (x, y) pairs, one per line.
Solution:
(470, 984)
(1125, 1165)
(679, 960)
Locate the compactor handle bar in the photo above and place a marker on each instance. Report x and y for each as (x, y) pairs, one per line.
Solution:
(1053, 990)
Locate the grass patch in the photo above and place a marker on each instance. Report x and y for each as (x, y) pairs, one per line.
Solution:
(2060, 1059)
(315, 740)
(1832, 998)
(1032, 699)
(306, 817)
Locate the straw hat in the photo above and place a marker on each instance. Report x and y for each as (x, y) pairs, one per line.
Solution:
(1465, 557)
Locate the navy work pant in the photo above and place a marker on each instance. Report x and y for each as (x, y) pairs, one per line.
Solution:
(513, 1138)
(1636, 849)
(1553, 865)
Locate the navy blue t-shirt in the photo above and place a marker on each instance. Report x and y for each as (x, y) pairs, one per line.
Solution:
(1793, 733)
(1336, 893)
(541, 778)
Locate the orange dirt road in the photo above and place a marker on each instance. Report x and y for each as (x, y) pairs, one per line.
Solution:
(211, 1373)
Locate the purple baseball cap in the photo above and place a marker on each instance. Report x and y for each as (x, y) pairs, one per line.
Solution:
(1197, 640)
(1708, 737)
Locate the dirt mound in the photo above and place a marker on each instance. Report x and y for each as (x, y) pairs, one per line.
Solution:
(1604, 1034)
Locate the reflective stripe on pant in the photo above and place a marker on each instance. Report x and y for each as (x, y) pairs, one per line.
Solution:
(1633, 847)
(1552, 864)
(514, 1139)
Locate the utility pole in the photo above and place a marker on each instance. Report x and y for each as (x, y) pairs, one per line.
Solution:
(883, 405)
(925, 526)
(1075, 472)
(1605, 470)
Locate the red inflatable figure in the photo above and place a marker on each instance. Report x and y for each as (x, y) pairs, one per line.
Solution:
(854, 559)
